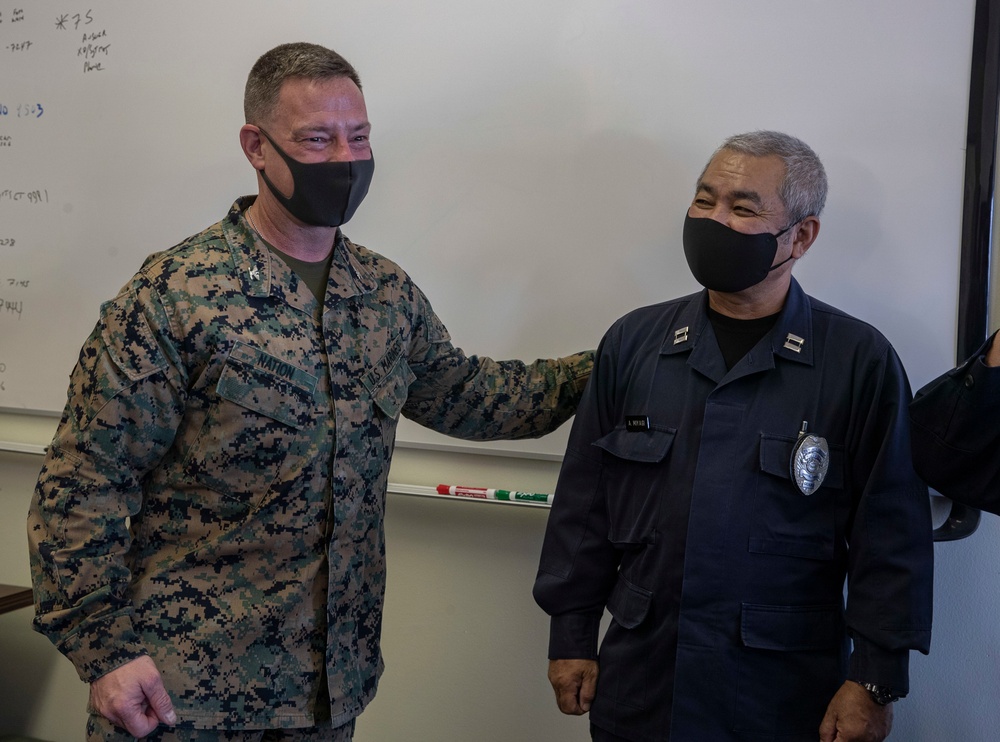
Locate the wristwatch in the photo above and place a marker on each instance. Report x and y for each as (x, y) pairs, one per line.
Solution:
(881, 694)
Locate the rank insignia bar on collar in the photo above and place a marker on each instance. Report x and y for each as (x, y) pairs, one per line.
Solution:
(794, 342)
(810, 461)
(680, 336)
(254, 274)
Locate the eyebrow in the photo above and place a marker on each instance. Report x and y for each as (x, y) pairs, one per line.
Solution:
(751, 196)
(354, 128)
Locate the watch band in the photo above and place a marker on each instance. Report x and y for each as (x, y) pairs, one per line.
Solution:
(881, 694)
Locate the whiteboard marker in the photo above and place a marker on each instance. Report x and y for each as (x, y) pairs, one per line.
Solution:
(522, 496)
(483, 493)
(477, 492)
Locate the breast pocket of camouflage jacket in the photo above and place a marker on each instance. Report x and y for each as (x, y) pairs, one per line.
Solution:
(388, 381)
(255, 425)
(633, 481)
(786, 521)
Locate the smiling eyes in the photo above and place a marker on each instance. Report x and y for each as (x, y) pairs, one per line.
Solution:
(706, 203)
(321, 141)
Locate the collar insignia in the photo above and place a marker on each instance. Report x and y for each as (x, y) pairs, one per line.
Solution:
(794, 342)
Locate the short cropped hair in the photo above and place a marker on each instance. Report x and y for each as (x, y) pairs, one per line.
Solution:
(803, 189)
(300, 59)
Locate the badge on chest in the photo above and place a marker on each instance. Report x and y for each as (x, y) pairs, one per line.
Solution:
(809, 462)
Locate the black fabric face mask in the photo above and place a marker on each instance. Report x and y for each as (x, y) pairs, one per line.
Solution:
(725, 260)
(325, 194)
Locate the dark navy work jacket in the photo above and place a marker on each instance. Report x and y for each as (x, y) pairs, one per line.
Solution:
(956, 433)
(676, 511)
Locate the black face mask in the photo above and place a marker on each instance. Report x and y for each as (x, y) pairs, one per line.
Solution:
(325, 194)
(725, 260)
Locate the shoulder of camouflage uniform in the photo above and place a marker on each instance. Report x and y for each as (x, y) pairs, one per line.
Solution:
(204, 253)
(378, 265)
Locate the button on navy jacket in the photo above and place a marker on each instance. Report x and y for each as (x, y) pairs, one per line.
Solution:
(676, 511)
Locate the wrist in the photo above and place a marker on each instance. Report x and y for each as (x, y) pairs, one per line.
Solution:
(883, 695)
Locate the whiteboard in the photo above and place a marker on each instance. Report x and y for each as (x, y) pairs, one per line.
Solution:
(534, 159)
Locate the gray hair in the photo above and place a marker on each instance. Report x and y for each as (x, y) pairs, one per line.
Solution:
(309, 61)
(803, 189)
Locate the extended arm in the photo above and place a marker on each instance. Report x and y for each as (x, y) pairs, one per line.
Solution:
(478, 398)
(956, 436)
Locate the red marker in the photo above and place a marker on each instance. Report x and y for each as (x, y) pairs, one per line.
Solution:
(480, 493)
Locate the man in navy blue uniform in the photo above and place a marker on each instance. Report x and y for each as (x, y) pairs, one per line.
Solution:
(956, 430)
(737, 455)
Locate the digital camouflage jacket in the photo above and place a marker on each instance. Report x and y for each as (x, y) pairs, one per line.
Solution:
(214, 493)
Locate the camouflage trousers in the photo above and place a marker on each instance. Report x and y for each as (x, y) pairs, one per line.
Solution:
(100, 729)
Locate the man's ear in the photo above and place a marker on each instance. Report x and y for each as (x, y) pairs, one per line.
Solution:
(250, 141)
(804, 236)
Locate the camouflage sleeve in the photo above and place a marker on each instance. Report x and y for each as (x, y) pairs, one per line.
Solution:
(481, 399)
(122, 410)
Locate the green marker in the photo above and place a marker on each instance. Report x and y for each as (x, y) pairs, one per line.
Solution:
(522, 496)
(488, 493)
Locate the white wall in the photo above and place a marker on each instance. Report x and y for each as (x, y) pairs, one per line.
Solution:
(534, 159)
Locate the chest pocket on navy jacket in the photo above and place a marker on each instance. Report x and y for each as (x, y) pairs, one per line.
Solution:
(785, 521)
(254, 427)
(389, 380)
(633, 482)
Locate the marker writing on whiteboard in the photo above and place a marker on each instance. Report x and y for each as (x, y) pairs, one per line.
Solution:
(484, 493)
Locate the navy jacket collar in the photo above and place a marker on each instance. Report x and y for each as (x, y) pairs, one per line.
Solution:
(791, 338)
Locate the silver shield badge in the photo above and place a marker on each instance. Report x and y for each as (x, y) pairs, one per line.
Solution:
(810, 462)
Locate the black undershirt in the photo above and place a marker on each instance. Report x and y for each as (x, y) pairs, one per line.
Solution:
(737, 336)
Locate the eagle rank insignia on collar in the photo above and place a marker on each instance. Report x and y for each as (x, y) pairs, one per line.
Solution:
(810, 461)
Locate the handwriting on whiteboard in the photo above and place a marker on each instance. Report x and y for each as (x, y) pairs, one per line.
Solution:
(90, 39)
(11, 292)
(21, 110)
(37, 196)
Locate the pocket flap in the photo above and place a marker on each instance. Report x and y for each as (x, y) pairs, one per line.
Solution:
(389, 380)
(129, 338)
(645, 446)
(792, 628)
(628, 604)
(267, 385)
(776, 458)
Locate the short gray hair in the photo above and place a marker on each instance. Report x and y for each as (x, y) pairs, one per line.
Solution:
(309, 61)
(803, 189)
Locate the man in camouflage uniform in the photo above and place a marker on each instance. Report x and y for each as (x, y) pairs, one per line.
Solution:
(206, 535)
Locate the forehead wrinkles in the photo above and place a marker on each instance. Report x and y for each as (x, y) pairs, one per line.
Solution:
(308, 101)
(736, 176)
